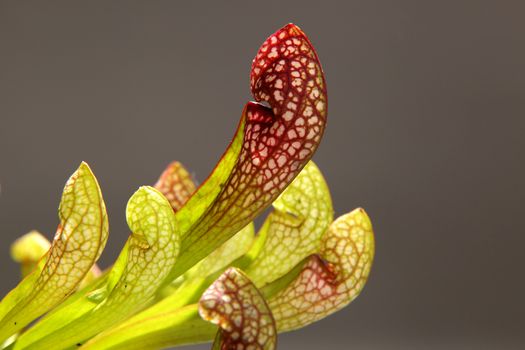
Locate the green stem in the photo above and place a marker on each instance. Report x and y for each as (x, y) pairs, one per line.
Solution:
(171, 328)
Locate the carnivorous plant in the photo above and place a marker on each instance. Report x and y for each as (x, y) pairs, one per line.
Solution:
(193, 269)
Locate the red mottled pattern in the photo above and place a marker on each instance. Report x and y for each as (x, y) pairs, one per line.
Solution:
(176, 184)
(331, 280)
(278, 141)
(237, 306)
(286, 74)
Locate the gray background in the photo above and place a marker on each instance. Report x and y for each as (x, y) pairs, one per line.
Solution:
(426, 131)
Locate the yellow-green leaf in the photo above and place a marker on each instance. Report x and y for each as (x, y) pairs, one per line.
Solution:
(331, 280)
(293, 230)
(232, 249)
(78, 242)
(30, 249)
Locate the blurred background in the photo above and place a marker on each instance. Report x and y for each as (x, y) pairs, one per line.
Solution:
(426, 132)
